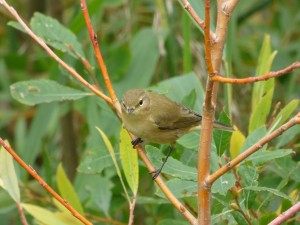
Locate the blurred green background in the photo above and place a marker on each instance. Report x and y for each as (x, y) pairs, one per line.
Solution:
(143, 43)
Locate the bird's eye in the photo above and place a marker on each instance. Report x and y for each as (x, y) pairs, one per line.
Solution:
(124, 105)
(141, 102)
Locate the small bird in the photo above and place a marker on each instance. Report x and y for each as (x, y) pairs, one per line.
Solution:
(155, 118)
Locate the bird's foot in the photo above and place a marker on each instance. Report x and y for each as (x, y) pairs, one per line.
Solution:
(136, 141)
(156, 173)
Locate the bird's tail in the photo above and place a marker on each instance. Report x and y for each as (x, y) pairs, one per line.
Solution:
(222, 126)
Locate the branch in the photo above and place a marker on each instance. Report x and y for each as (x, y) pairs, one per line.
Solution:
(206, 132)
(33, 173)
(212, 178)
(290, 68)
(286, 215)
(53, 55)
(99, 58)
(164, 188)
(187, 6)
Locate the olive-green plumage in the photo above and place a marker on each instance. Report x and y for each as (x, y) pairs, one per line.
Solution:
(155, 118)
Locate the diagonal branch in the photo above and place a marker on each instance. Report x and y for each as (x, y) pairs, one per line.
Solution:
(33, 173)
(292, 122)
(99, 57)
(288, 69)
(53, 55)
(286, 215)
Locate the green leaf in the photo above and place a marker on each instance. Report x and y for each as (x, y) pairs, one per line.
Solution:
(262, 94)
(47, 217)
(129, 161)
(173, 167)
(261, 112)
(144, 48)
(179, 87)
(180, 188)
(270, 190)
(111, 151)
(96, 157)
(66, 189)
(34, 92)
(223, 184)
(190, 141)
(284, 114)
(46, 115)
(253, 138)
(56, 35)
(8, 176)
(221, 137)
(239, 218)
(249, 177)
(262, 157)
(100, 193)
(190, 99)
(113, 156)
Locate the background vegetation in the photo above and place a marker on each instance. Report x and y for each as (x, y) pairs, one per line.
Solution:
(148, 44)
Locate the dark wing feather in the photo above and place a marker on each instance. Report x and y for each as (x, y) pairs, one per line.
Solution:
(181, 118)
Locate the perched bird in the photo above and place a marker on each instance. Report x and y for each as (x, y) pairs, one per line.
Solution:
(155, 118)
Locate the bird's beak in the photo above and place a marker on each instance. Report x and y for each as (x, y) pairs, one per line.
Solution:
(130, 110)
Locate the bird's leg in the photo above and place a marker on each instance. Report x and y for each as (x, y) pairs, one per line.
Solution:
(136, 141)
(157, 172)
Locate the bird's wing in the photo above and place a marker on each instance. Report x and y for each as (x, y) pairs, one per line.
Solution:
(182, 118)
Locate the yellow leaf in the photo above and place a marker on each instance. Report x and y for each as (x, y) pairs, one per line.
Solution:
(236, 142)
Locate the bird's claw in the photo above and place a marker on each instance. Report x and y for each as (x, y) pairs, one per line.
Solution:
(136, 141)
(156, 173)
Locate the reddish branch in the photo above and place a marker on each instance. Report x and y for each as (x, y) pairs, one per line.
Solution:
(286, 215)
(187, 6)
(99, 57)
(53, 55)
(212, 178)
(206, 133)
(33, 173)
(248, 80)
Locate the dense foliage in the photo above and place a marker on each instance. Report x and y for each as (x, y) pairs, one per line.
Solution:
(50, 119)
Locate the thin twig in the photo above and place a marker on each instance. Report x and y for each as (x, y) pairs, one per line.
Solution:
(22, 215)
(164, 188)
(188, 7)
(212, 178)
(99, 57)
(131, 210)
(33, 173)
(286, 215)
(248, 80)
(53, 55)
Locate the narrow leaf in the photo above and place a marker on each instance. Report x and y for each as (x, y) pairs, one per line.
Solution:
(8, 176)
(66, 189)
(236, 142)
(285, 113)
(113, 156)
(262, 93)
(129, 161)
(221, 137)
(262, 157)
(47, 217)
(270, 190)
(34, 92)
